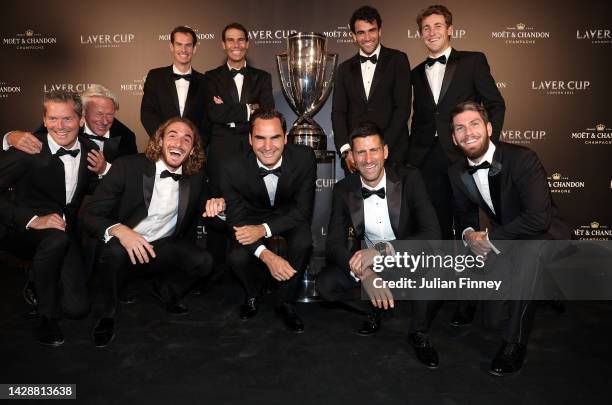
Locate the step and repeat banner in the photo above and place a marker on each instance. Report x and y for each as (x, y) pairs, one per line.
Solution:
(551, 61)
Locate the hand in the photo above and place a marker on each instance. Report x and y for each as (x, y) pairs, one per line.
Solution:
(253, 107)
(25, 142)
(97, 163)
(217, 100)
(279, 268)
(134, 243)
(214, 207)
(478, 242)
(361, 260)
(350, 162)
(51, 221)
(248, 234)
(379, 297)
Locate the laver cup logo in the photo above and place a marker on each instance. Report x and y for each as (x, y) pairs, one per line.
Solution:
(458, 33)
(29, 40)
(598, 134)
(269, 37)
(522, 136)
(520, 34)
(107, 40)
(595, 35)
(561, 87)
(72, 87)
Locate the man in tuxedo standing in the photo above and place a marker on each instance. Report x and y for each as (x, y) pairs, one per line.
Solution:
(380, 204)
(144, 214)
(269, 191)
(446, 78)
(373, 85)
(501, 190)
(40, 210)
(234, 91)
(176, 90)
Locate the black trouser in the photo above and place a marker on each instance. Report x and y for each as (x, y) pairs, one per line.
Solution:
(177, 265)
(253, 273)
(337, 285)
(57, 270)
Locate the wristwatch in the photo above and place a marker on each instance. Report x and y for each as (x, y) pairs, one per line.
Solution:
(381, 247)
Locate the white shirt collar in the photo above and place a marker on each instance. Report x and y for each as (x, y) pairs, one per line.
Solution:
(376, 52)
(488, 156)
(160, 166)
(381, 183)
(178, 72)
(445, 53)
(54, 147)
(88, 130)
(278, 164)
(230, 68)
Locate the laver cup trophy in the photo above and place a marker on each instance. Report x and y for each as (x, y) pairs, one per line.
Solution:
(306, 73)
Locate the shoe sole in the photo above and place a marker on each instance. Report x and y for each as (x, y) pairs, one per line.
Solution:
(54, 344)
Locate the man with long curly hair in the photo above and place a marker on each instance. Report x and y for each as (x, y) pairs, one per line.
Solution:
(144, 213)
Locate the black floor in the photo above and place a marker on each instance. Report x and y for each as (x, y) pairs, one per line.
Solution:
(211, 357)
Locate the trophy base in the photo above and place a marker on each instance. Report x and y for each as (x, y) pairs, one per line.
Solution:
(309, 135)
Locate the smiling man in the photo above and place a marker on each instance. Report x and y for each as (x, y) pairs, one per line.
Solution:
(144, 214)
(269, 191)
(47, 190)
(176, 90)
(234, 91)
(501, 193)
(373, 85)
(381, 204)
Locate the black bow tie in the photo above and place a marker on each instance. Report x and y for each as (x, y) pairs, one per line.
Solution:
(483, 165)
(168, 173)
(178, 76)
(364, 59)
(96, 137)
(367, 193)
(234, 72)
(432, 61)
(61, 152)
(263, 172)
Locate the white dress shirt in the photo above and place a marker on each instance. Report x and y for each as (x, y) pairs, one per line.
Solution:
(376, 218)
(182, 88)
(71, 166)
(435, 76)
(271, 181)
(481, 177)
(239, 80)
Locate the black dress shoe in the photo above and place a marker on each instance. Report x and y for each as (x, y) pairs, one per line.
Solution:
(292, 320)
(173, 305)
(372, 323)
(463, 317)
(49, 333)
(509, 359)
(249, 308)
(104, 332)
(423, 349)
(29, 294)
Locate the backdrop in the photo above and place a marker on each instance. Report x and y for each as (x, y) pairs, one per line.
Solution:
(551, 61)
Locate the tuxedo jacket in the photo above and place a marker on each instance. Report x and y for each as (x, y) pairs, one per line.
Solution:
(388, 104)
(160, 100)
(39, 187)
(124, 195)
(246, 196)
(256, 89)
(410, 211)
(467, 78)
(523, 205)
(122, 140)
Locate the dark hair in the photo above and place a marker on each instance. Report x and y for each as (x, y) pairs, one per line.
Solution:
(236, 26)
(365, 13)
(194, 162)
(469, 106)
(267, 114)
(183, 29)
(366, 128)
(63, 96)
(435, 9)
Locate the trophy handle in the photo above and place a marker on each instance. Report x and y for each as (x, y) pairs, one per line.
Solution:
(329, 73)
(282, 62)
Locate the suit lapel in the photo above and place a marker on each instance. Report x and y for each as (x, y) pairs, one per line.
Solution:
(379, 71)
(229, 83)
(355, 205)
(257, 181)
(423, 76)
(194, 85)
(183, 203)
(449, 73)
(357, 78)
(56, 168)
(148, 181)
(284, 181)
(111, 147)
(247, 86)
(394, 199)
(83, 170)
(171, 89)
(495, 182)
